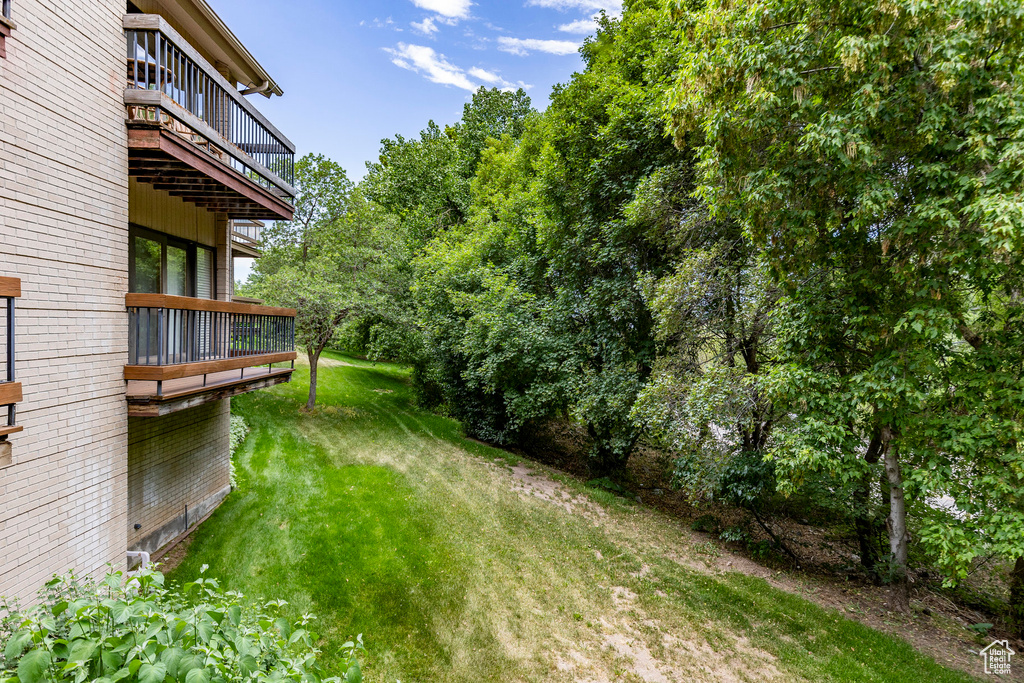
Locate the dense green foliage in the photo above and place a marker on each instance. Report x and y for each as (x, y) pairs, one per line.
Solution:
(780, 242)
(134, 629)
(873, 153)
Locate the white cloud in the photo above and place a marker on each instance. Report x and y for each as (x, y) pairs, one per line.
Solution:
(437, 69)
(524, 46)
(427, 27)
(453, 9)
(434, 67)
(579, 26)
(485, 76)
(610, 6)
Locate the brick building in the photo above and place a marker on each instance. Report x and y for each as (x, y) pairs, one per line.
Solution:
(133, 169)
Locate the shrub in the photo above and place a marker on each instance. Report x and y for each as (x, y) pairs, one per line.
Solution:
(139, 631)
(239, 430)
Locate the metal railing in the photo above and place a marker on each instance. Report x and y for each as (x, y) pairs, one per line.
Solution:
(10, 289)
(182, 330)
(157, 62)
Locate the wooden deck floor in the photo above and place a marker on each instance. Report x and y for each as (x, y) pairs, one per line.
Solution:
(179, 394)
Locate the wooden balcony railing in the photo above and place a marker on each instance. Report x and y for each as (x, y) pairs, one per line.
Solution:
(173, 337)
(10, 391)
(171, 84)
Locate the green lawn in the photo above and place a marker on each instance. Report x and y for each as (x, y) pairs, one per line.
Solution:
(383, 520)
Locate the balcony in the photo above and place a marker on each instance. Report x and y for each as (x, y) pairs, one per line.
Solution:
(245, 238)
(193, 135)
(10, 391)
(184, 352)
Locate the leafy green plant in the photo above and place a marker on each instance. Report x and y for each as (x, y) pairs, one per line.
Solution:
(135, 629)
(708, 524)
(736, 533)
(239, 430)
(980, 629)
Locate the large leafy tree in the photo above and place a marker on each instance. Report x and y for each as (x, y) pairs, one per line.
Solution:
(334, 262)
(874, 151)
(534, 307)
(604, 139)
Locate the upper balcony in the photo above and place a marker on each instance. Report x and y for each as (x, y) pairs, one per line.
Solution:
(192, 134)
(183, 352)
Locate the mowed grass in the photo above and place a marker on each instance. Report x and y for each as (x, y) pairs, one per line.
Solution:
(383, 520)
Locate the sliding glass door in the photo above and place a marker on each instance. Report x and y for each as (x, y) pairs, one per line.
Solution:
(161, 264)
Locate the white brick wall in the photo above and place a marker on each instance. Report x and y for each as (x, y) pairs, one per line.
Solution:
(63, 227)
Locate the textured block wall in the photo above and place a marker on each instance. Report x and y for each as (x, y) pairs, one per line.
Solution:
(176, 461)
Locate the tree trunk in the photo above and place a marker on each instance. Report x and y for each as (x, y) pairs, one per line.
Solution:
(1017, 597)
(864, 525)
(896, 525)
(862, 521)
(314, 358)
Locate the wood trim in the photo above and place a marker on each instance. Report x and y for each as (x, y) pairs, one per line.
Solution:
(10, 392)
(186, 303)
(155, 22)
(4, 431)
(10, 286)
(242, 249)
(153, 406)
(156, 98)
(153, 373)
(183, 151)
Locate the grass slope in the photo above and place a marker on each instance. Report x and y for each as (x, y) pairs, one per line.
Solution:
(384, 520)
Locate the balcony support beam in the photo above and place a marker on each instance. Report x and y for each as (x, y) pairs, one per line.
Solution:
(155, 98)
(155, 141)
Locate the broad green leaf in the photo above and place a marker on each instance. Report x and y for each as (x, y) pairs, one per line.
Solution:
(32, 667)
(82, 650)
(197, 676)
(247, 664)
(17, 644)
(152, 673)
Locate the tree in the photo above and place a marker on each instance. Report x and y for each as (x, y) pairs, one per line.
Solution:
(491, 114)
(323, 191)
(873, 150)
(604, 138)
(706, 402)
(329, 264)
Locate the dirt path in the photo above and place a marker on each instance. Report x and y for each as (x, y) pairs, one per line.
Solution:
(695, 551)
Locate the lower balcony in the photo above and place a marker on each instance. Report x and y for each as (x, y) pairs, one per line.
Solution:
(184, 352)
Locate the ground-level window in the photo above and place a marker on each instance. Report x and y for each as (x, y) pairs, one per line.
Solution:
(162, 264)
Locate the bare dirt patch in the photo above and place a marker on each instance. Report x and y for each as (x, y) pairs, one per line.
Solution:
(170, 560)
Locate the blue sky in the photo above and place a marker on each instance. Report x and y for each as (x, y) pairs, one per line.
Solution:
(356, 72)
